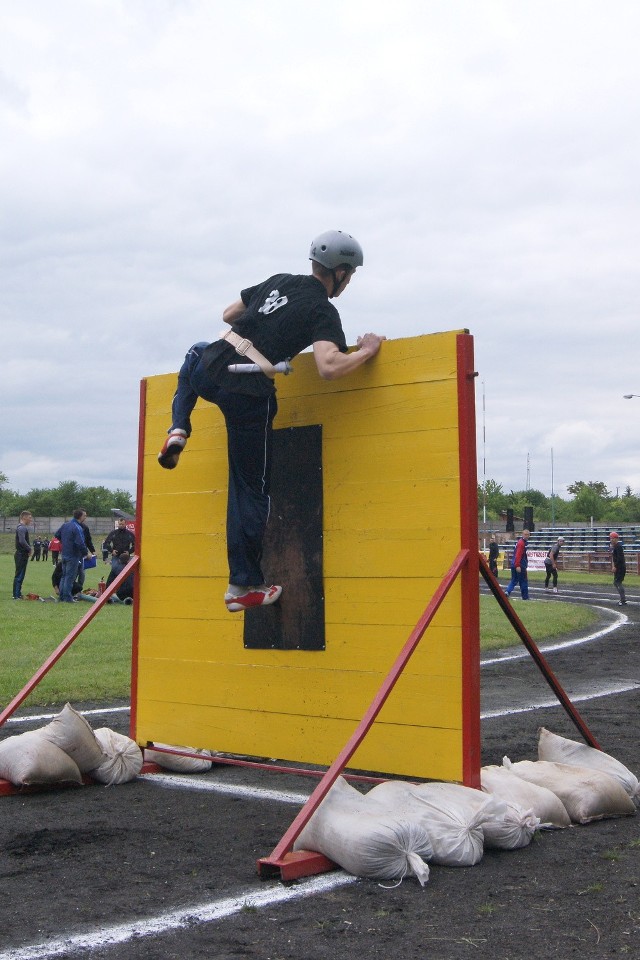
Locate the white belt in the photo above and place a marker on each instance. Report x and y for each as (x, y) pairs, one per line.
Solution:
(246, 349)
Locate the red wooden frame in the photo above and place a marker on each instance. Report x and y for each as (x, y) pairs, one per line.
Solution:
(135, 635)
(289, 865)
(469, 541)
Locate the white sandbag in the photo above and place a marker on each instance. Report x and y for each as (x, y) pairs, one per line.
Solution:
(506, 825)
(366, 843)
(586, 794)
(454, 826)
(560, 750)
(71, 732)
(122, 759)
(171, 761)
(28, 759)
(545, 806)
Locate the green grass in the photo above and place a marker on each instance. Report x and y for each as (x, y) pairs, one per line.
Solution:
(96, 667)
(544, 621)
(98, 664)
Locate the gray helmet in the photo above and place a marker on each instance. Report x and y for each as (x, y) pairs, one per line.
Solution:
(333, 248)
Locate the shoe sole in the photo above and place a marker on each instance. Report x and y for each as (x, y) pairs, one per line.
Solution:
(169, 459)
(234, 607)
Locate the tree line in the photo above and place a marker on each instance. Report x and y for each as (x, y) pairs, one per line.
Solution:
(589, 499)
(62, 500)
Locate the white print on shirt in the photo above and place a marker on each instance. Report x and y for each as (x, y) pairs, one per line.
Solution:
(273, 301)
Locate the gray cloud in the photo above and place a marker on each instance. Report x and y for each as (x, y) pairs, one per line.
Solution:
(161, 156)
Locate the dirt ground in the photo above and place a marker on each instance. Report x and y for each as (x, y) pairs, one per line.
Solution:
(75, 864)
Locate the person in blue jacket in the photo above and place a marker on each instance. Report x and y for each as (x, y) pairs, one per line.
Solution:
(519, 565)
(74, 550)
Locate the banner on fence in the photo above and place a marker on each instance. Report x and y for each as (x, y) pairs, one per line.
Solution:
(536, 559)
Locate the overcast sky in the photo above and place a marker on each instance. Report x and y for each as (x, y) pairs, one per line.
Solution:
(159, 155)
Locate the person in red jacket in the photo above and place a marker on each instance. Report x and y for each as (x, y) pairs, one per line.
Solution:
(519, 565)
(55, 547)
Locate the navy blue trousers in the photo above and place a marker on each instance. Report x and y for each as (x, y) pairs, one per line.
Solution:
(519, 579)
(249, 422)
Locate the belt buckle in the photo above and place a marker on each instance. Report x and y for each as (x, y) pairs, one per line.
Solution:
(243, 347)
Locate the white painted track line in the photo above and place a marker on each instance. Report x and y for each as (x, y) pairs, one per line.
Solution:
(38, 717)
(619, 620)
(543, 705)
(236, 790)
(165, 922)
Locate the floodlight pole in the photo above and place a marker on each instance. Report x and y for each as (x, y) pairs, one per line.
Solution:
(553, 501)
(484, 473)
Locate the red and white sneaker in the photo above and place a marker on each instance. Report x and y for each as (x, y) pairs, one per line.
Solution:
(254, 597)
(172, 448)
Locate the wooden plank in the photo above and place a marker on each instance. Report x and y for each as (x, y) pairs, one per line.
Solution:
(421, 700)
(387, 749)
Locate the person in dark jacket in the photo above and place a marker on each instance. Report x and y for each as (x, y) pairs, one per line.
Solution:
(56, 577)
(618, 565)
(551, 564)
(494, 553)
(91, 552)
(125, 590)
(119, 540)
(22, 553)
(519, 565)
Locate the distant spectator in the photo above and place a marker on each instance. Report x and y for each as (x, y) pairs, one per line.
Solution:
(45, 549)
(76, 590)
(619, 566)
(54, 546)
(37, 549)
(120, 539)
(74, 550)
(494, 553)
(125, 590)
(23, 552)
(56, 577)
(551, 564)
(90, 548)
(519, 564)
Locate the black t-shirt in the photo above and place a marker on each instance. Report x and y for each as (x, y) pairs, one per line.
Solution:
(283, 316)
(618, 559)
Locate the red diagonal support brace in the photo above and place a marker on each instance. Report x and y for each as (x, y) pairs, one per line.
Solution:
(533, 649)
(66, 643)
(302, 863)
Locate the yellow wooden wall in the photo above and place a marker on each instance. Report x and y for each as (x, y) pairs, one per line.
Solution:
(391, 474)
